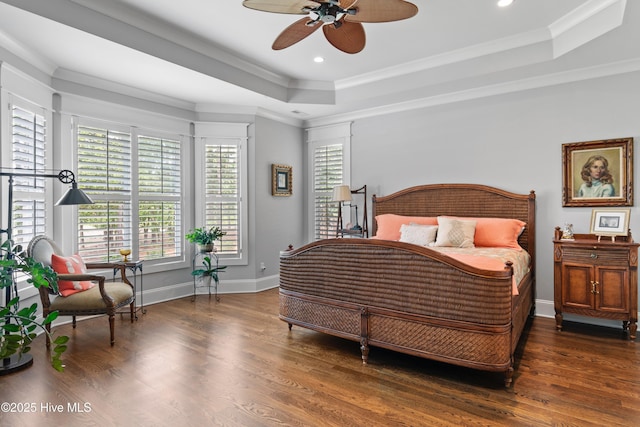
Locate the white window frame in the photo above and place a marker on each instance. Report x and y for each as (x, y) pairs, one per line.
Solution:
(134, 199)
(316, 138)
(207, 133)
(163, 197)
(22, 90)
(7, 161)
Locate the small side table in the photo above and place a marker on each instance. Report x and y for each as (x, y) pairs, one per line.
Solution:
(134, 266)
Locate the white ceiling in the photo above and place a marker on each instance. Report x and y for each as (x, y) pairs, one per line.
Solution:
(215, 55)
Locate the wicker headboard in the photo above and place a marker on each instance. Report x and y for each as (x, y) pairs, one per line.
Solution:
(471, 200)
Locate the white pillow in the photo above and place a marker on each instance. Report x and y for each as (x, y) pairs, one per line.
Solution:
(455, 232)
(423, 235)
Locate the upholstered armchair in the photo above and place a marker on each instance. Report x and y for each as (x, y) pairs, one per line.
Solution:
(93, 295)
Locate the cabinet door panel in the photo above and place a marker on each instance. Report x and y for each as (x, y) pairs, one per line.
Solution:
(577, 286)
(613, 289)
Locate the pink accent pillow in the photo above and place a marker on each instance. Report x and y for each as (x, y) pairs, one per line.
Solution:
(70, 265)
(389, 224)
(497, 232)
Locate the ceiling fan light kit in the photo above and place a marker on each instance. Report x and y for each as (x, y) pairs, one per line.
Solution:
(341, 20)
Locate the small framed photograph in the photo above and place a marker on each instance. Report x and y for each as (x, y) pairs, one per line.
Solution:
(598, 173)
(610, 222)
(281, 180)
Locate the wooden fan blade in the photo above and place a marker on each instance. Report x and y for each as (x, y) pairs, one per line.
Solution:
(348, 37)
(294, 33)
(281, 6)
(380, 10)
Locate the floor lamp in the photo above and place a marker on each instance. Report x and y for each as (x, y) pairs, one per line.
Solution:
(341, 194)
(73, 196)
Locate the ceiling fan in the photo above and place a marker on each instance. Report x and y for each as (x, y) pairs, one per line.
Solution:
(341, 20)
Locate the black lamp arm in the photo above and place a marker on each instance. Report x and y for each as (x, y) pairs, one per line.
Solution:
(65, 176)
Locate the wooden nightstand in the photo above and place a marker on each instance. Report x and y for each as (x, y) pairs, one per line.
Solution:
(596, 278)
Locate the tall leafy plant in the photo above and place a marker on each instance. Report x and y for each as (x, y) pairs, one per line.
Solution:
(20, 324)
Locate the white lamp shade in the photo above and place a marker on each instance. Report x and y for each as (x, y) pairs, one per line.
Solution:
(341, 193)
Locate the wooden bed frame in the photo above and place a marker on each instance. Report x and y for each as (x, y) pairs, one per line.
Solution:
(410, 298)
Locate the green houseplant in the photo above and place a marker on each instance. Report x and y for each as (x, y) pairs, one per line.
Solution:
(204, 237)
(19, 325)
(208, 270)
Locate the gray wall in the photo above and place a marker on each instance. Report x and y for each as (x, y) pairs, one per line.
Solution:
(279, 221)
(510, 141)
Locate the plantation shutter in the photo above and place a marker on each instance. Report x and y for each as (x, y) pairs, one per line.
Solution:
(222, 194)
(28, 152)
(104, 173)
(327, 173)
(159, 188)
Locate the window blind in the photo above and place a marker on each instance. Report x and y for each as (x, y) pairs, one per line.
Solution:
(159, 188)
(28, 152)
(327, 173)
(222, 194)
(104, 172)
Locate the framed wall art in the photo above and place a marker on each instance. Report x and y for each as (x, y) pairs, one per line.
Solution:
(598, 173)
(281, 180)
(610, 222)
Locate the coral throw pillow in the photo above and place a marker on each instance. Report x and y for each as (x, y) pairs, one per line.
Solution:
(389, 224)
(70, 265)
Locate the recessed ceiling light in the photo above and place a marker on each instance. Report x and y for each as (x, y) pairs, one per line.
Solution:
(318, 59)
(504, 3)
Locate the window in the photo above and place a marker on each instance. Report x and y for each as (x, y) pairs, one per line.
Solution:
(159, 189)
(328, 159)
(28, 152)
(104, 173)
(327, 173)
(221, 185)
(222, 194)
(136, 185)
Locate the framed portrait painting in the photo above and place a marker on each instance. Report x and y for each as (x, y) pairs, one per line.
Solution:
(281, 180)
(598, 173)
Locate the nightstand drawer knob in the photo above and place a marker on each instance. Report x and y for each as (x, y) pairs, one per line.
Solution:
(593, 255)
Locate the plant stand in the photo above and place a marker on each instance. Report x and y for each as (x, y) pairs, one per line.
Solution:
(204, 281)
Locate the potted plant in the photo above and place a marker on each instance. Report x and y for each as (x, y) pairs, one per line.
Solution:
(204, 237)
(18, 325)
(208, 271)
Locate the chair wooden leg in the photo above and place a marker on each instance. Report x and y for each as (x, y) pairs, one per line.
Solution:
(73, 321)
(132, 307)
(112, 323)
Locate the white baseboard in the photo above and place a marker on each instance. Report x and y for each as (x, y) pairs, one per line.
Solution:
(182, 290)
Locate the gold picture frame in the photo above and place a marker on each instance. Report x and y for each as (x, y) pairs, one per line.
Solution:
(610, 222)
(281, 180)
(612, 162)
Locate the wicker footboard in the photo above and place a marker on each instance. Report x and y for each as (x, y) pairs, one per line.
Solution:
(460, 343)
(424, 304)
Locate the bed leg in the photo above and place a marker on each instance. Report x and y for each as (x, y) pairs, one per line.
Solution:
(508, 377)
(364, 348)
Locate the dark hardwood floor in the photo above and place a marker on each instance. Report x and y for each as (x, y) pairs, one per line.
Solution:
(233, 363)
